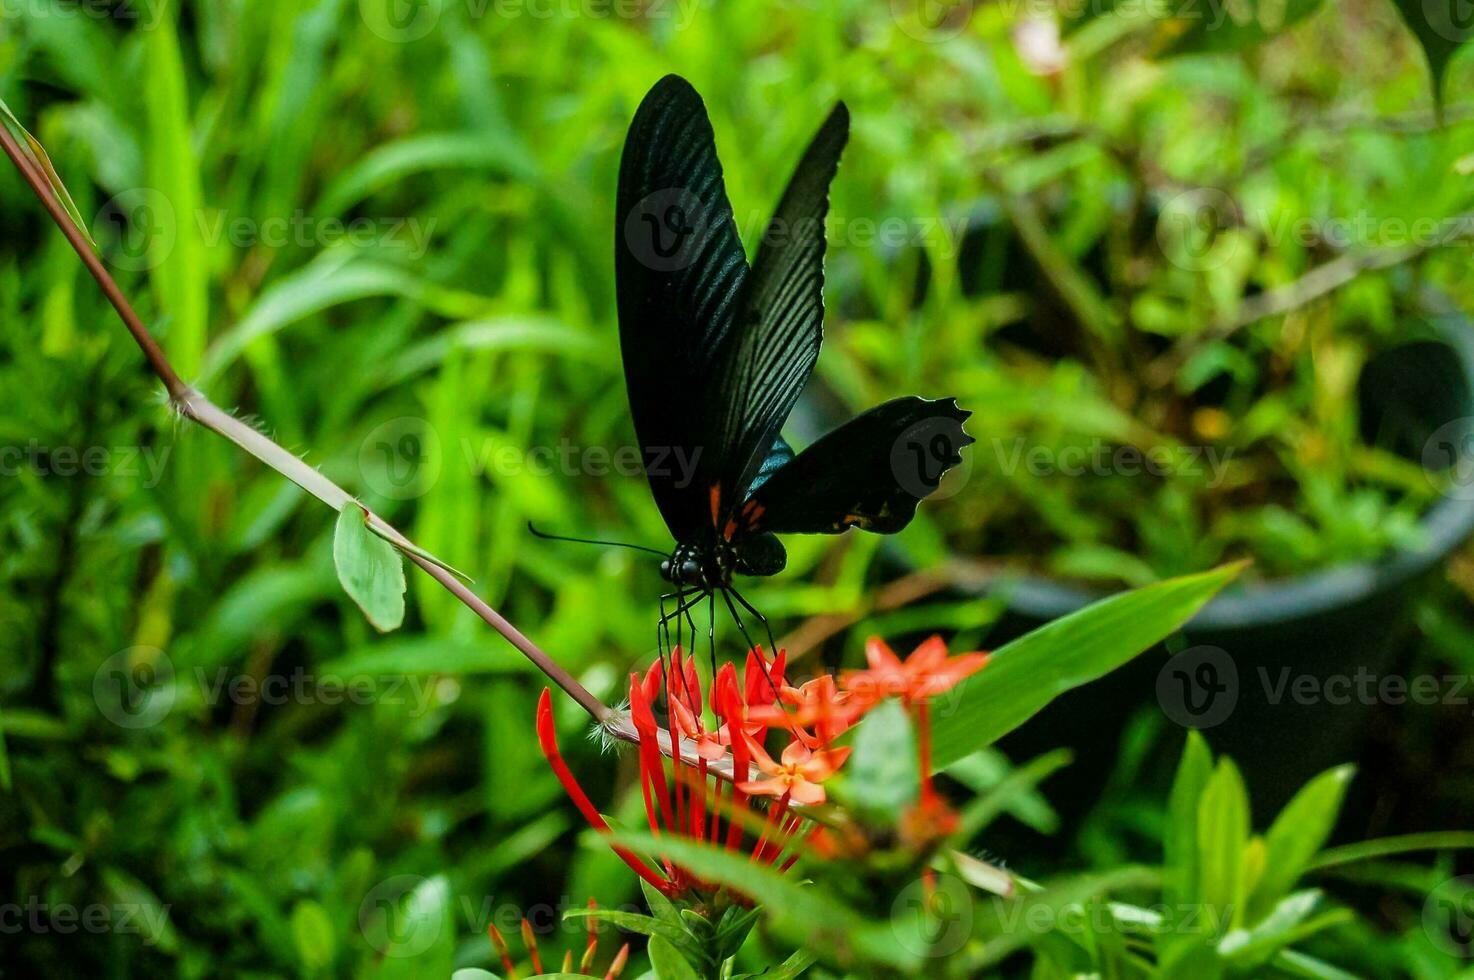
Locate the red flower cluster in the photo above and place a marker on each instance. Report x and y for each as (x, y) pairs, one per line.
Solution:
(690, 803)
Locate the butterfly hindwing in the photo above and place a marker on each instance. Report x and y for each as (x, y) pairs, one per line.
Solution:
(680, 272)
(869, 473)
(768, 356)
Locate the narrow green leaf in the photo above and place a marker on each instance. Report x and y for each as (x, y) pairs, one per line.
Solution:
(1287, 923)
(152, 915)
(369, 569)
(645, 925)
(668, 962)
(1445, 840)
(313, 933)
(803, 915)
(43, 163)
(496, 152)
(661, 907)
(986, 807)
(419, 552)
(1223, 834)
(1007, 924)
(1296, 835)
(791, 967)
(1298, 964)
(1180, 840)
(1028, 673)
(181, 276)
(4, 757)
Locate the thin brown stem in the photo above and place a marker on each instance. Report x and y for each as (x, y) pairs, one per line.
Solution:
(199, 409)
(146, 343)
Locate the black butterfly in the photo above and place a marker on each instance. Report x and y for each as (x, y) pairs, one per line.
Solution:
(716, 353)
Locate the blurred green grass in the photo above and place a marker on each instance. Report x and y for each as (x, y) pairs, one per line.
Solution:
(388, 239)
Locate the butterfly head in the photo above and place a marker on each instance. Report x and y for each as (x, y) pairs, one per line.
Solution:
(691, 566)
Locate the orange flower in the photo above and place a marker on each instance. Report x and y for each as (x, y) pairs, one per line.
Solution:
(927, 672)
(817, 704)
(798, 776)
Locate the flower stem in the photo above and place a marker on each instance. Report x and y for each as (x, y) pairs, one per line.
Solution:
(197, 408)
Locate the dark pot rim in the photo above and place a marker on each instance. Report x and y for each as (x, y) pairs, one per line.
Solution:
(1446, 525)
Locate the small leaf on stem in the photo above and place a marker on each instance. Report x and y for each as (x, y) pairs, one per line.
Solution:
(369, 569)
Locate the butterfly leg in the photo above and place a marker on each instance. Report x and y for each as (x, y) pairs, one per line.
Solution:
(772, 644)
(685, 600)
(662, 628)
(777, 698)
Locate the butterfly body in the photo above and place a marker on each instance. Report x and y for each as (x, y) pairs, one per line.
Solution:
(717, 351)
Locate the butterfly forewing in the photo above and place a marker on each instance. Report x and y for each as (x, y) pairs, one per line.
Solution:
(767, 358)
(680, 272)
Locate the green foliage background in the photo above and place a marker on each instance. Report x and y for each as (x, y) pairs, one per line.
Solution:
(383, 230)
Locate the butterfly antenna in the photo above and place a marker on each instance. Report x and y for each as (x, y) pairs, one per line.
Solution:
(608, 544)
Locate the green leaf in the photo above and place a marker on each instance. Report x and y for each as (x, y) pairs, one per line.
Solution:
(1440, 31)
(883, 777)
(1296, 835)
(660, 906)
(371, 571)
(668, 962)
(1011, 923)
(474, 973)
(1444, 840)
(645, 925)
(791, 967)
(4, 757)
(1287, 923)
(312, 931)
(43, 163)
(1298, 964)
(986, 807)
(1180, 840)
(415, 934)
(180, 276)
(804, 915)
(1028, 673)
(1223, 835)
(152, 915)
(496, 152)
